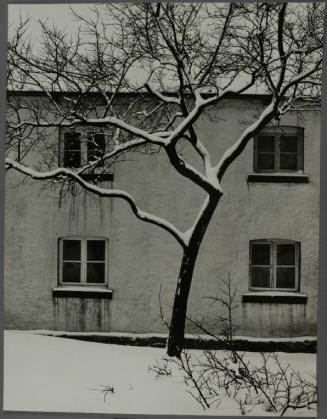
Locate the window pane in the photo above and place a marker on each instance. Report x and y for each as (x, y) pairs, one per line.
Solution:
(260, 254)
(288, 161)
(95, 146)
(72, 150)
(72, 141)
(72, 158)
(285, 254)
(71, 250)
(71, 272)
(95, 272)
(266, 143)
(95, 250)
(285, 277)
(266, 161)
(260, 277)
(288, 143)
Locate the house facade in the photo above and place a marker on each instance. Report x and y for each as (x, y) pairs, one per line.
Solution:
(85, 263)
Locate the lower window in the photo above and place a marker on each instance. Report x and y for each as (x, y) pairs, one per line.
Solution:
(274, 265)
(83, 260)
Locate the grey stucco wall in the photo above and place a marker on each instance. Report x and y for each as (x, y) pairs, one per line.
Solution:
(143, 258)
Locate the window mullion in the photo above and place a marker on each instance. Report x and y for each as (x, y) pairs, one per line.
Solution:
(83, 260)
(106, 261)
(277, 152)
(83, 146)
(255, 152)
(297, 266)
(300, 150)
(61, 260)
(274, 262)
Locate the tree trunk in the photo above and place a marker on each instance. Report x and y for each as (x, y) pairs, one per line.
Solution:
(177, 324)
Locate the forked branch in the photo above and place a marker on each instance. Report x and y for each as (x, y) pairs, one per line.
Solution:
(67, 174)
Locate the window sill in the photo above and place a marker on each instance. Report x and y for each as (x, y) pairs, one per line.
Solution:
(82, 292)
(98, 177)
(271, 297)
(277, 178)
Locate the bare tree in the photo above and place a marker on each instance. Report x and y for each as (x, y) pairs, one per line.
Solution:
(215, 375)
(188, 57)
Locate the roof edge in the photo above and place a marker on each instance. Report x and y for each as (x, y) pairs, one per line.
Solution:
(259, 96)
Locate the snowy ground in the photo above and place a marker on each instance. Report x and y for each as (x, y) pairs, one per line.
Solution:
(53, 374)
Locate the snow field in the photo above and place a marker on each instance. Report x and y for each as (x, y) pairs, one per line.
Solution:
(51, 374)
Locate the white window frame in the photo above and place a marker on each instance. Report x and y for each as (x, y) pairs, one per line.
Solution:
(84, 133)
(83, 261)
(273, 264)
(278, 132)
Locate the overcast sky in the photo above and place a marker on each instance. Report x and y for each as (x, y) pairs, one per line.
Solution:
(58, 14)
(54, 13)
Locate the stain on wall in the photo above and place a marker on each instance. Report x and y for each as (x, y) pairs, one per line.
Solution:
(276, 319)
(144, 259)
(81, 314)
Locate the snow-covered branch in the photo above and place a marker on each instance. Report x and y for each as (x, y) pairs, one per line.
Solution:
(119, 149)
(299, 78)
(235, 150)
(270, 112)
(65, 174)
(192, 57)
(162, 97)
(131, 129)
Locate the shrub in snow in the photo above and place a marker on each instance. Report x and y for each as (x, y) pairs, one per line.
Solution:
(160, 369)
(106, 390)
(266, 381)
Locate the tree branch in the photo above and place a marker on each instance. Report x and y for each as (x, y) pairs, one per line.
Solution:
(63, 173)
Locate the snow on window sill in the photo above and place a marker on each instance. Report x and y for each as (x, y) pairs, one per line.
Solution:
(274, 297)
(82, 292)
(277, 178)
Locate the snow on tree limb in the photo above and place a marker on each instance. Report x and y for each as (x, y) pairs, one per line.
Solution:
(161, 97)
(235, 150)
(118, 123)
(270, 112)
(65, 173)
(199, 54)
(299, 78)
(119, 149)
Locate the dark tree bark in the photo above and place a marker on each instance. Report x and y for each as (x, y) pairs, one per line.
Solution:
(177, 324)
(150, 37)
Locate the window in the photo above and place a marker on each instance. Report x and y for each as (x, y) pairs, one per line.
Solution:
(274, 265)
(81, 147)
(279, 149)
(83, 261)
(95, 146)
(72, 149)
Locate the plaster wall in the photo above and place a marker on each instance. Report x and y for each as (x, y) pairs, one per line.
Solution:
(144, 260)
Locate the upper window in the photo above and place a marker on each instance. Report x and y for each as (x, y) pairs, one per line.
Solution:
(72, 149)
(279, 149)
(274, 265)
(83, 261)
(96, 146)
(80, 147)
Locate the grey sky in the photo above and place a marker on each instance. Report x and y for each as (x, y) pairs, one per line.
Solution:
(60, 15)
(54, 13)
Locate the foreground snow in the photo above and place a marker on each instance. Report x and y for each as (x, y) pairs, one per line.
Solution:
(52, 374)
